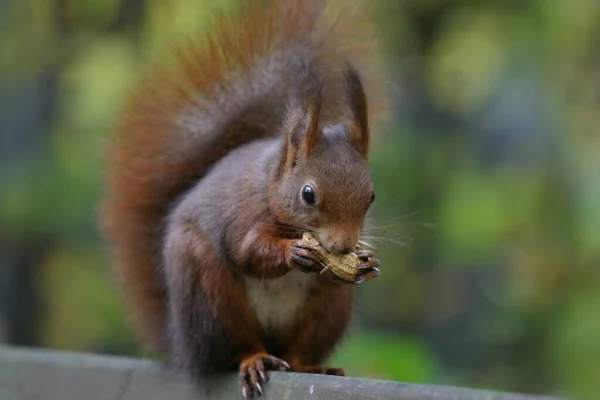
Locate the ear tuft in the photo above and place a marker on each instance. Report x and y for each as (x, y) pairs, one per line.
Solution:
(358, 126)
(302, 127)
(310, 95)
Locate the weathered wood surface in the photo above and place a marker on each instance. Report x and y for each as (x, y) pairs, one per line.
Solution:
(34, 374)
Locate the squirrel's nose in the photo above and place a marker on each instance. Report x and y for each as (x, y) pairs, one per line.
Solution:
(340, 246)
(345, 250)
(339, 242)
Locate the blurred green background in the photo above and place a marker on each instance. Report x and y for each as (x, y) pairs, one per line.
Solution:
(487, 180)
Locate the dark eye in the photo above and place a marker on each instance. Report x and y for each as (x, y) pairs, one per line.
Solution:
(372, 197)
(308, 195)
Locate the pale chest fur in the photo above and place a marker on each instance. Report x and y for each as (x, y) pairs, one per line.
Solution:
(277, 301)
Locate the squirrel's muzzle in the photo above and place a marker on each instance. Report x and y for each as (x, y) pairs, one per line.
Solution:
(339, 240)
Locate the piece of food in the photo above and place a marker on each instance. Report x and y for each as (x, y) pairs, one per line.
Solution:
(343, 266)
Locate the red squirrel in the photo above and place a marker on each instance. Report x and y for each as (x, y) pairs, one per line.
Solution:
(259, 133)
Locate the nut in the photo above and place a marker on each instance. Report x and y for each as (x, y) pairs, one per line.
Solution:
(343, 266)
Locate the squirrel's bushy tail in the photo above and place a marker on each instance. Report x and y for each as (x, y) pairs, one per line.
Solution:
(229, 88)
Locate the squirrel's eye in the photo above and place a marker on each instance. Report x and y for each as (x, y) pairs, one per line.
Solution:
(308, 195)
(372, 197)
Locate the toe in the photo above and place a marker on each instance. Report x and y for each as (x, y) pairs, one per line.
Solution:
(253, 376)
(260, 369)
(337, 372)
(246, 390)
(364, 255)
(277, 363)
(367, 274)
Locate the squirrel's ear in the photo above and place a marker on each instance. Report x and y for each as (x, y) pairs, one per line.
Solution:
(302, 128)
(310, 96)
(357, 128)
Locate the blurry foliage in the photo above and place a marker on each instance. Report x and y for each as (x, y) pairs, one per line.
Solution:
(487, 218)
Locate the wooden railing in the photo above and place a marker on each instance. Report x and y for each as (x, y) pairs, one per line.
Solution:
(36, 374)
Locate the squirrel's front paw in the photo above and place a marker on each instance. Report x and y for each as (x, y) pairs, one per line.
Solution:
(368, 269)
(303, 256)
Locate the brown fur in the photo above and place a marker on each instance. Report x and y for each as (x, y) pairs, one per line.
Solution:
(205, 171)
(330, 305)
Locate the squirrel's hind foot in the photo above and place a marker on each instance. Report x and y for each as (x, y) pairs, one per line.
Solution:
(253, 372)
(315, 369)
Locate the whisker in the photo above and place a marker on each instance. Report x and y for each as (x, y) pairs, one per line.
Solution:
(386, 239)
(402, 236)
(373, 227)
(381, 228)
(362, 242)
(404, 216)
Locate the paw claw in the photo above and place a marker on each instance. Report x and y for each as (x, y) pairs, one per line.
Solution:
(371, 263)
(263, 376)
(366, 274)
(364, 255)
